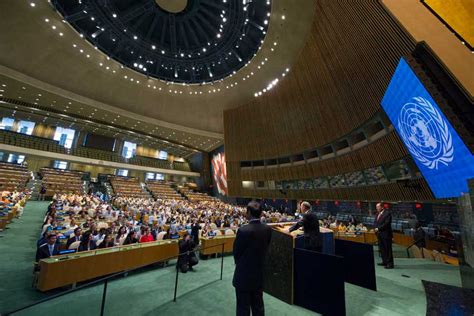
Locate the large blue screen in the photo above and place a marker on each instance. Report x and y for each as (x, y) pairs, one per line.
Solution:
(440, 154)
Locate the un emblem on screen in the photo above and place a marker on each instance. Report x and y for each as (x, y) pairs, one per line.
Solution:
(426, 133)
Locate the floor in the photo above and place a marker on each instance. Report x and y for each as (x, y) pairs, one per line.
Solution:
(150, 292)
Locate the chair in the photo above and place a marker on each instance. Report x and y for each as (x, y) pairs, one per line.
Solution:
(102, 225)
(217, 232)
(160, 235)
(74, 245)
(415, 252)
(427, 254)
(229, 232)
(122, 239)
(438, 257)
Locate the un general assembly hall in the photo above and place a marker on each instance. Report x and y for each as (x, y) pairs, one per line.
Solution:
(237, 157)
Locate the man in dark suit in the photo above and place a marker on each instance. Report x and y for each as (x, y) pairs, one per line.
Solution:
(383, 229)
(75, 237)
(250, 249)
(305, 210)
(48, 249)
(195, 227)
(310, 224)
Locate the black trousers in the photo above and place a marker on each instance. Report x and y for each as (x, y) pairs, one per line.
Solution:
(250, 300)
(385, 246)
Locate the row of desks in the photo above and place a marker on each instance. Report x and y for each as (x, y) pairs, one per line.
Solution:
(70, 269)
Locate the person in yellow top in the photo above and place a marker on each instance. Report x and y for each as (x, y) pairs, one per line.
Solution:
(341, 227)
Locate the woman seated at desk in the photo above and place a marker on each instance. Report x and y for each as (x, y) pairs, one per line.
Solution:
(87, 242)
(131, 238)
(107, 242)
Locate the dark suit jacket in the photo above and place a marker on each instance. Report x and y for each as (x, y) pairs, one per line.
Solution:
(186, 251)
(83, 247)
(250, 249)
(309, 223)
(384, 225)
(43, 251)
(71, 240)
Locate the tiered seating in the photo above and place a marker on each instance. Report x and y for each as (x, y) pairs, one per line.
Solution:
(98, 154)
(375, 175)
(183, 166)
(46, 144)
(33, 142)
(129, 187)
(337, 181)
(319, 183)
(163, 190)
(354, 179)
(137, 160)
(62, 181)
(196, 196)
(150, 162)
(13, 177)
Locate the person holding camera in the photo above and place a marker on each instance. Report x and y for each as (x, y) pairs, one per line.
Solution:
(187, 258)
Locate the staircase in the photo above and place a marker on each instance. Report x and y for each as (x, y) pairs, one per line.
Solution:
(145, 190)
(176, 188)
(108, 187)
(34, 186)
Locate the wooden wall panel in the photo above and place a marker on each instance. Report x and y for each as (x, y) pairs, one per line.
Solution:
(386, 149)
(335, 86)
(386, 192)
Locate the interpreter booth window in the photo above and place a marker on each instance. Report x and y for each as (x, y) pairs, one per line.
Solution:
(154, 176)
(14, 158)
(129, 149)
(64, 136)
(7, 124)
(122, 172)
(26, 127)
(162, 155)
(60, 164)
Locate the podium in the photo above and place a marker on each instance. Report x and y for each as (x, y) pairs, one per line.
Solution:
(315, 280)
(306, 278)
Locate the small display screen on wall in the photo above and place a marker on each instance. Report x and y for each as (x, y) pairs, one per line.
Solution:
(99, 142)
(439, 152)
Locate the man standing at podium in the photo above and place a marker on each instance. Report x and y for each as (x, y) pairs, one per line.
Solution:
(383, 229)
(250, 249)
(310, 224)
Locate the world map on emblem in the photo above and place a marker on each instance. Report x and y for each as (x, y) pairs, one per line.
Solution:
(426, 133)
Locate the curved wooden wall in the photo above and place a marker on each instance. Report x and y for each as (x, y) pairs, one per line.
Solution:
(335, 86)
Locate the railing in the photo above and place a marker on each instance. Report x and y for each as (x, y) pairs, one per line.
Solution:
(105, 281)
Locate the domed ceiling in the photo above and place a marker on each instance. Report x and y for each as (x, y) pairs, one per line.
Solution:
(185, 41)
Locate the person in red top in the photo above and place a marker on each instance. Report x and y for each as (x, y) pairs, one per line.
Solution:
(146, 236)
